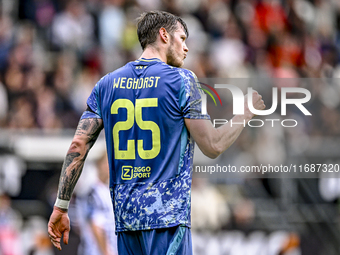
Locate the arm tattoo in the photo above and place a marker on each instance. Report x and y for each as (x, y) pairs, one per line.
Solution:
(88, 131)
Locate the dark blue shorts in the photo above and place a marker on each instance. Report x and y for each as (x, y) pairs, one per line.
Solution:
(163, 241)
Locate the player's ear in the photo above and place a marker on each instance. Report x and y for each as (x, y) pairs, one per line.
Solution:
(164, 35)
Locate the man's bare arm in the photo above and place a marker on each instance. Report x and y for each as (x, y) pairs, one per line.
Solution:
(84, 138)
(86, 134)
(214, 141)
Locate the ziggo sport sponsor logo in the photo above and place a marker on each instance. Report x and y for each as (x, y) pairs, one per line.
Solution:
(130, 172)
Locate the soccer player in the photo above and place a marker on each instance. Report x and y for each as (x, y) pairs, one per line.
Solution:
(150, 110)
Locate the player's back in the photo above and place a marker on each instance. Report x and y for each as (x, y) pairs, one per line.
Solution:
(143, 106)
(143, 121)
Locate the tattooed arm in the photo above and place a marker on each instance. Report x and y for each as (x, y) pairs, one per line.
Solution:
(84, 138)
(86, 134)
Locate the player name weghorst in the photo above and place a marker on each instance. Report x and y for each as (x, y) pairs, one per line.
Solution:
(136, 83)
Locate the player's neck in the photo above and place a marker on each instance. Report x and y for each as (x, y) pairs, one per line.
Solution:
(151, 52)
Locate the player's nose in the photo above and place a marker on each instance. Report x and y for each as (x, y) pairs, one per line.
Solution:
(185, 48)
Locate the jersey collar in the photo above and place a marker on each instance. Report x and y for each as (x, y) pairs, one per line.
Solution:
(148, 60)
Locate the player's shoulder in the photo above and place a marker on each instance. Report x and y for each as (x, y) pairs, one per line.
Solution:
(183, 72)
(189, 77)
(167, 72)
(164, 67)
(186, 73)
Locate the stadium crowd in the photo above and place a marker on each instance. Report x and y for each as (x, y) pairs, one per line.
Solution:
(53, 52)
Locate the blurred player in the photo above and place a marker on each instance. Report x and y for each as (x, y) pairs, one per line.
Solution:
(148, 108)
(95, 216)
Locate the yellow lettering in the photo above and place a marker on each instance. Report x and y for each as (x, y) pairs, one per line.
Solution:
(122, 82)
(129, 83)
(147, 125)
(146, 79)
(157, 78)
(135, 83)
(151, 81)
(116, 84)
(141, 83)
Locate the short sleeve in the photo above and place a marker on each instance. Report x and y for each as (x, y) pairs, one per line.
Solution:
(191, 96)
(93, 105)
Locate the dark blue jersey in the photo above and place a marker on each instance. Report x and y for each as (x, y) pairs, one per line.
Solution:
(143, 106)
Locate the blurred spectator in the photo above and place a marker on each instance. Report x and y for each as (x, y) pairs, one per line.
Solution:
(209, 209)
(270, 16)
(111, 25)
(73, 28)
(35, 237)
(229, 53)
(46, 114)
(3, 104)
(86, 80)
(44, 12)
(63, 81)
(95, 215)
(12, 168)
(22, 113)
(10, 220)
(244, 213)
(6, 40)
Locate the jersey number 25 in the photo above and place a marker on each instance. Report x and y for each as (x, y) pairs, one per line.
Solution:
(135, 112)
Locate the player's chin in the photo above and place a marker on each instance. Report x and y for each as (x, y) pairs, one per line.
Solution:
(179, 63)
(176, 63)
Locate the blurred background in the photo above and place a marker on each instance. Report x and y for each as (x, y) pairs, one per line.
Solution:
(52, 53)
